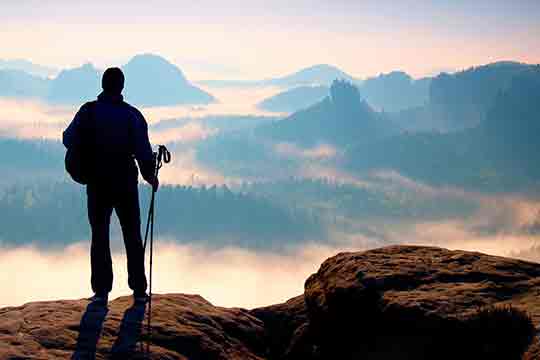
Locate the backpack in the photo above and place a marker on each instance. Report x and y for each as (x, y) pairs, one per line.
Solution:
(79, 156)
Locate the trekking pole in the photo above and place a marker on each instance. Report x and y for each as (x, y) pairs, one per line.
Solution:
(162, 156)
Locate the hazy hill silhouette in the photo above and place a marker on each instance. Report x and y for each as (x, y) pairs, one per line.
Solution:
(341, 118)
(461, 100)
(499, 154)
(390, 92)
(153, 81)
(395, 91)
(19, 84)
(294, 99)
(321, 74)
(28, 67)
(476, 87)
(150, 81)
(512, 125)
(75, 86)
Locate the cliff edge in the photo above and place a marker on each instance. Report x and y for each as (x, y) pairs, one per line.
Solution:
(397, 302)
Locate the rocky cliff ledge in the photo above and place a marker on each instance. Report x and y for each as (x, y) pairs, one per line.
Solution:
(398, 302)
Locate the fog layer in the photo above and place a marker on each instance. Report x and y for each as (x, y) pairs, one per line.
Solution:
(226, 277)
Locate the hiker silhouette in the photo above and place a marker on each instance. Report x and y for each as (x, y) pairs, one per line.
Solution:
(113, 134)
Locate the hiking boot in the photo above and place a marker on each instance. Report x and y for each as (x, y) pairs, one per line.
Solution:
(100, 299)
(140, 297)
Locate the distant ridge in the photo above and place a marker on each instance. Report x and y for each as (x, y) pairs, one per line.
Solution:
(391, 92)
(294, 99)
(321, 74)
(341, 118)
(496, 154)
(461, 100)
(395, 91)
(150, 81)
(75, 86)
(153, 81)
(20, 84)
(28, 67)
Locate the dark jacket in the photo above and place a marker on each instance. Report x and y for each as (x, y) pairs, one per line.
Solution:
(116, 134)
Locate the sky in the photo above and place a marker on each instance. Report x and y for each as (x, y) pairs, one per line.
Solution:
(260, 39)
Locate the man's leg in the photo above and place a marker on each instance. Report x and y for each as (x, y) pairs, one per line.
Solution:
(128, 211)
(99, 216)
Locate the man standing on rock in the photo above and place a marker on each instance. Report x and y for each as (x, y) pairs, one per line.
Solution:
(114, 134)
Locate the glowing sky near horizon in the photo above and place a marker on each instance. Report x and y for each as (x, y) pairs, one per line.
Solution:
(240, 39)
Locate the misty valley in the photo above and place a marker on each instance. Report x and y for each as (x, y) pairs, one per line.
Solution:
(317, 159)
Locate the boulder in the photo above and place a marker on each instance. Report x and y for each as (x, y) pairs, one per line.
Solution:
(287, 330)
(412, 302)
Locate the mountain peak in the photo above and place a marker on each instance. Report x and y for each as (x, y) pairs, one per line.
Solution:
(321, 67)
(152, 80)
(154, 65)
(87, 67)
(76, 85)
(506, 63)
(319, 74)
(395, 74)
(149, 58)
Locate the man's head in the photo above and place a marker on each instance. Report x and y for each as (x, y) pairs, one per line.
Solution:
(113, 81)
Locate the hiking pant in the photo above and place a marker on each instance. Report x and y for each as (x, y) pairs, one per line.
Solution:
(102, 199)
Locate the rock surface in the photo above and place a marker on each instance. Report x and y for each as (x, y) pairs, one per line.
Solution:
(398, 302)
(184, 327)
(412, 302)
(287, 329)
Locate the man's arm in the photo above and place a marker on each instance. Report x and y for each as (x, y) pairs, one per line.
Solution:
(143, 150)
